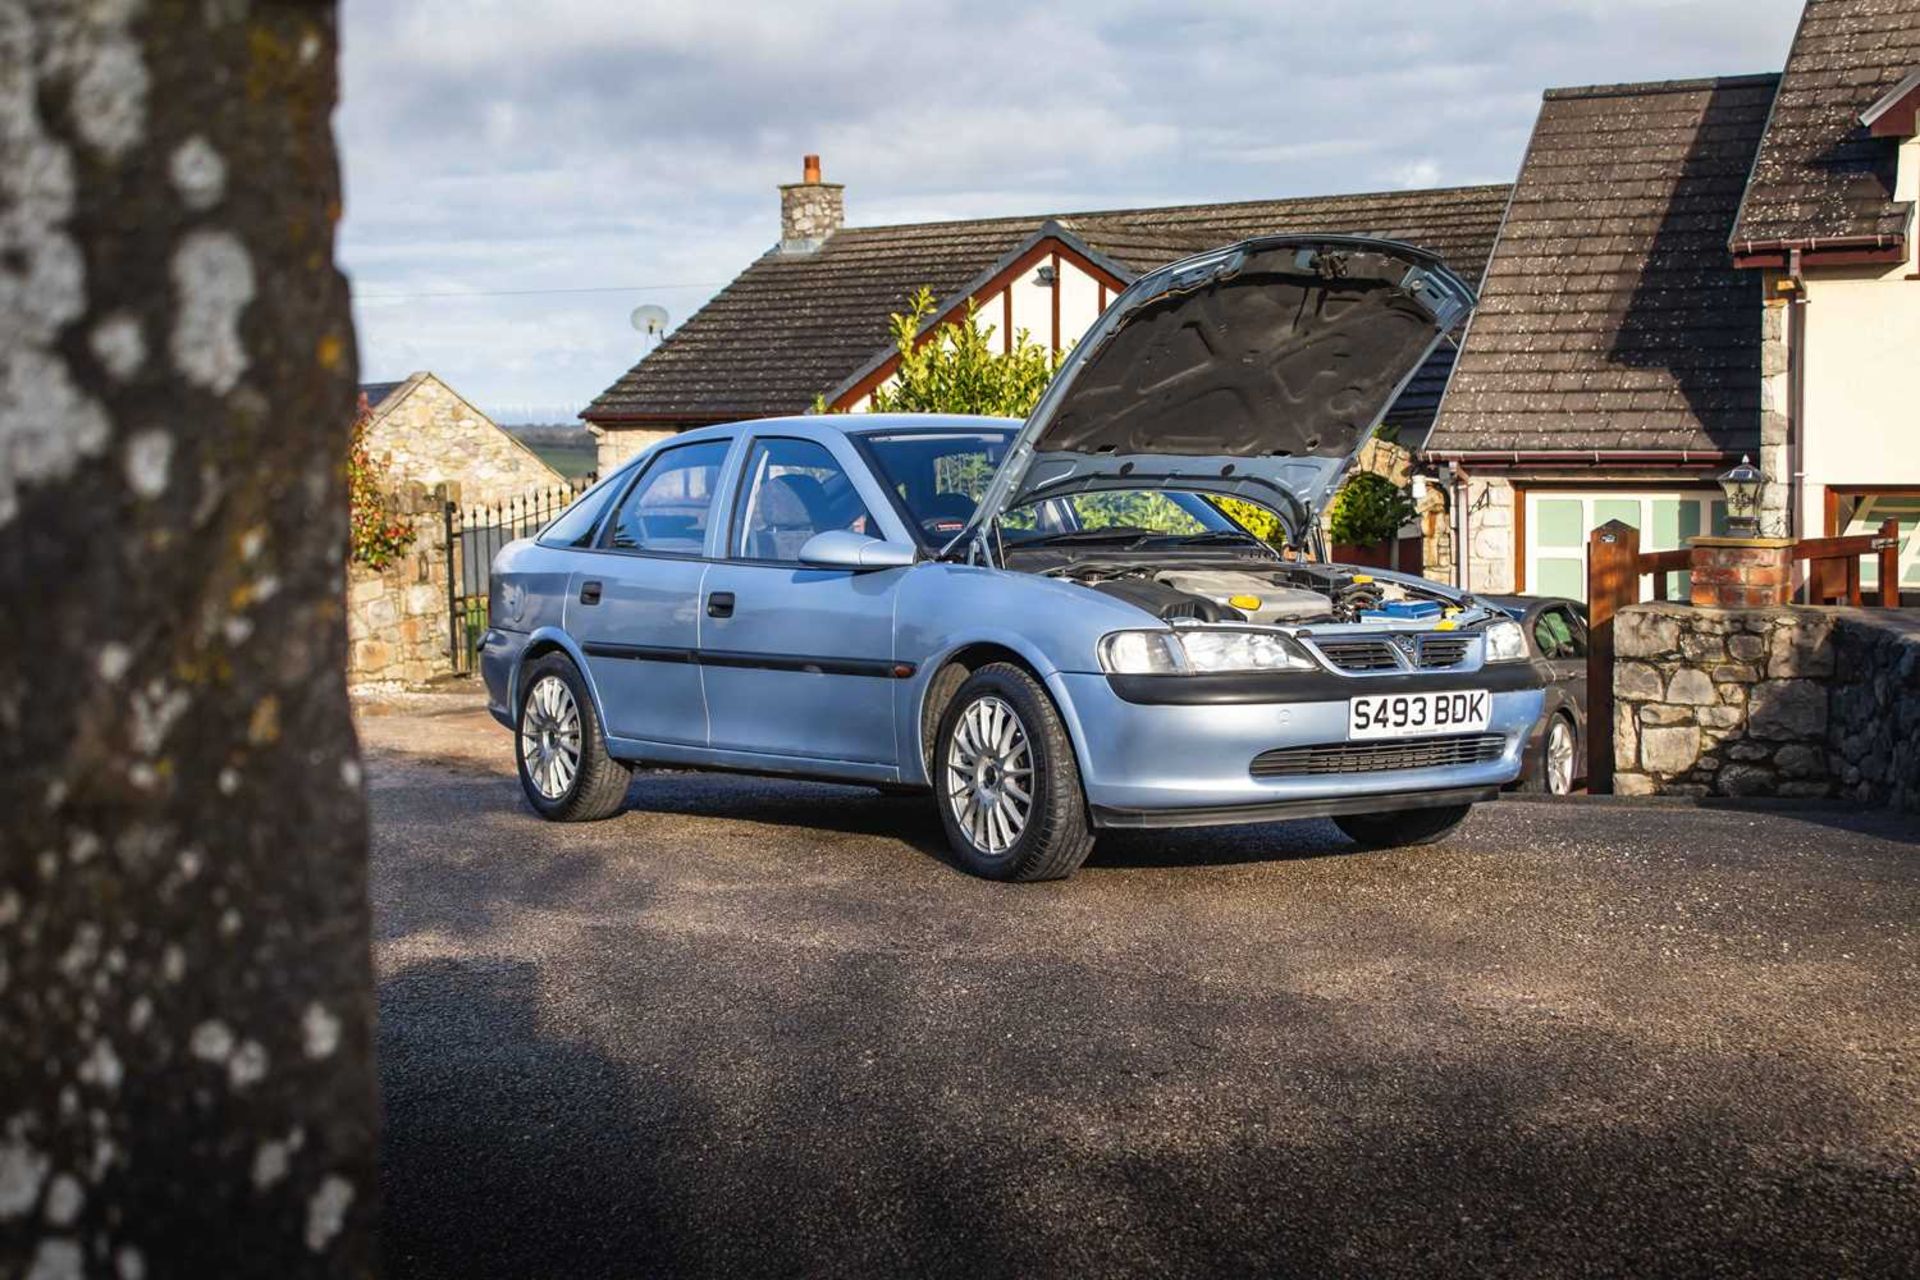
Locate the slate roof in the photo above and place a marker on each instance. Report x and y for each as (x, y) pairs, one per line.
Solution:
(1611, 316)
(1819, 174)
(791, 327)
(375, 392)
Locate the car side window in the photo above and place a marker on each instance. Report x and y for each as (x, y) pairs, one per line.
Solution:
(668, 508)
(574, 527)
(793, 490)
(1553, 631)
(1576, 646)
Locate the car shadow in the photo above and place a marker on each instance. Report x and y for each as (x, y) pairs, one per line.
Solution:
(1297, 841)
(789, 802)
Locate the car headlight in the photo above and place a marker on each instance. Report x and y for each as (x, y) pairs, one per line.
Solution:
(1505, 642)
(1199, 651)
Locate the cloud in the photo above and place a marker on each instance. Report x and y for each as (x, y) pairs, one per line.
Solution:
(494, 146)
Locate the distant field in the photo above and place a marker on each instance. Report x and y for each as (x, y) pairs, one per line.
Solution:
(570, 450)
(570, 460)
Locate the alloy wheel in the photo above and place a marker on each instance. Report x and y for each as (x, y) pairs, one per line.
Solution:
(989, 781)
(1560, 758)
(550, 737)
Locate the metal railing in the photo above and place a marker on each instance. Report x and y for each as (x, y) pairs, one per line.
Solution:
(475, 534)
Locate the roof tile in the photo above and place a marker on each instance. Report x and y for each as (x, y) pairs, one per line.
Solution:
(1612, 316)
(1819, 174)
(791, 327)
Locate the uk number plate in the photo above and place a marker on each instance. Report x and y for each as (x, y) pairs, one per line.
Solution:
(1414, 715)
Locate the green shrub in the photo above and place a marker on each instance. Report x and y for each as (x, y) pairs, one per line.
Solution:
(1369, 510)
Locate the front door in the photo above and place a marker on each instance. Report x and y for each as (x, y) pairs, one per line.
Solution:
(635, 608)
(798, 662)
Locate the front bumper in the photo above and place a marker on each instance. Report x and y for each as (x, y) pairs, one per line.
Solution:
(1189, 764)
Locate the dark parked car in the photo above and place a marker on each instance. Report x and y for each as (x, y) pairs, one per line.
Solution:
(1556, 758)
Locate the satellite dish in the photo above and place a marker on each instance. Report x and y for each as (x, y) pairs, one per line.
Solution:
(649, 319)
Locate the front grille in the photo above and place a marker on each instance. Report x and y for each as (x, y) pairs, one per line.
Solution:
(1443, 651)
(1378, 757)
(1360, 654)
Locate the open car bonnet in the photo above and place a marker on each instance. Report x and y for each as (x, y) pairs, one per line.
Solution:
(1254, 371)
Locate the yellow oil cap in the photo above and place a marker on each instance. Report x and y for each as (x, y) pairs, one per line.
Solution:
(1244, 602)
(1363, 577)
(1446, 624)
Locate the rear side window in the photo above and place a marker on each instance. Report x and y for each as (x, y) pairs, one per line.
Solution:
(669, 507)
(574, 527)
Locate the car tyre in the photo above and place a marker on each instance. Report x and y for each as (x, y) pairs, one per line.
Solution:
(1402, 827)
(1006, 781)
(1559, 760)
(561, 752)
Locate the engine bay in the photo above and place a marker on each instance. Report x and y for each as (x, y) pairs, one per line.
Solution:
(1215, 588)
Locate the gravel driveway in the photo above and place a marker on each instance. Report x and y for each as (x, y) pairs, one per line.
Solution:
(758, 1027)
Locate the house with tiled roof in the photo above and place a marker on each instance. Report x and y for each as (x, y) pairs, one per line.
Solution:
(809, 318)
(1613, 367)
(1692, 272)
(1827, 227)
(1684, 273)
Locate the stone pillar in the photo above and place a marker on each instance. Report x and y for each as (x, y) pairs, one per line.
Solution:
(1776, 414)
(1740, 573)
(1489, 552)
(810, 210)
(1436, 533)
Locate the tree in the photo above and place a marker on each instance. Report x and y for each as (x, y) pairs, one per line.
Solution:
(1370, 509)
(185, 982)
(953, 368)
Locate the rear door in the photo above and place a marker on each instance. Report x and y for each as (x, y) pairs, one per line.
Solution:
(635, 609)
(1562, 637)
(798, 662)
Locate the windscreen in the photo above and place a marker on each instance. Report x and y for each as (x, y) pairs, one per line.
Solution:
(939, 477)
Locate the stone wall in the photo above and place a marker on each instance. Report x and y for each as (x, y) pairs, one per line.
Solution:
(1777, 702)
(1873, 714)
(617, 444)
(427, 434)
(1490, 529)
(397, 627)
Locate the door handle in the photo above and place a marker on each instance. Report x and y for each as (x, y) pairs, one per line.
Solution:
(720, 604)
(589, 593)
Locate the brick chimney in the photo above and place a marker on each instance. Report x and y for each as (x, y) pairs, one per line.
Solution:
(810, 210)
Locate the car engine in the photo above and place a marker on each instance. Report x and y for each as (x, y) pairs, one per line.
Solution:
(1267, 595)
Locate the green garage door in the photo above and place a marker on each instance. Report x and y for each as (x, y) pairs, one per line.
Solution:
(1559, 521)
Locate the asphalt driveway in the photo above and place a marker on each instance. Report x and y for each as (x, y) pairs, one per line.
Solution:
(758, 1027)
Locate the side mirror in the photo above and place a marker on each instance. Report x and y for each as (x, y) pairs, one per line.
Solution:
(844, 549)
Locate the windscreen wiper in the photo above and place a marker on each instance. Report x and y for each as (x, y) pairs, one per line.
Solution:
(1111, 533)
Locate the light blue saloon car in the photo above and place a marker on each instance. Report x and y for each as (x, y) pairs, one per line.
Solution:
(1051, 626)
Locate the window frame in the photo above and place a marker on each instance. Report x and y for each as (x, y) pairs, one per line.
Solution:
(603, 540)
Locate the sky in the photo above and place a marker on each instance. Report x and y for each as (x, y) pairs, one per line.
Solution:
(521, 174)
